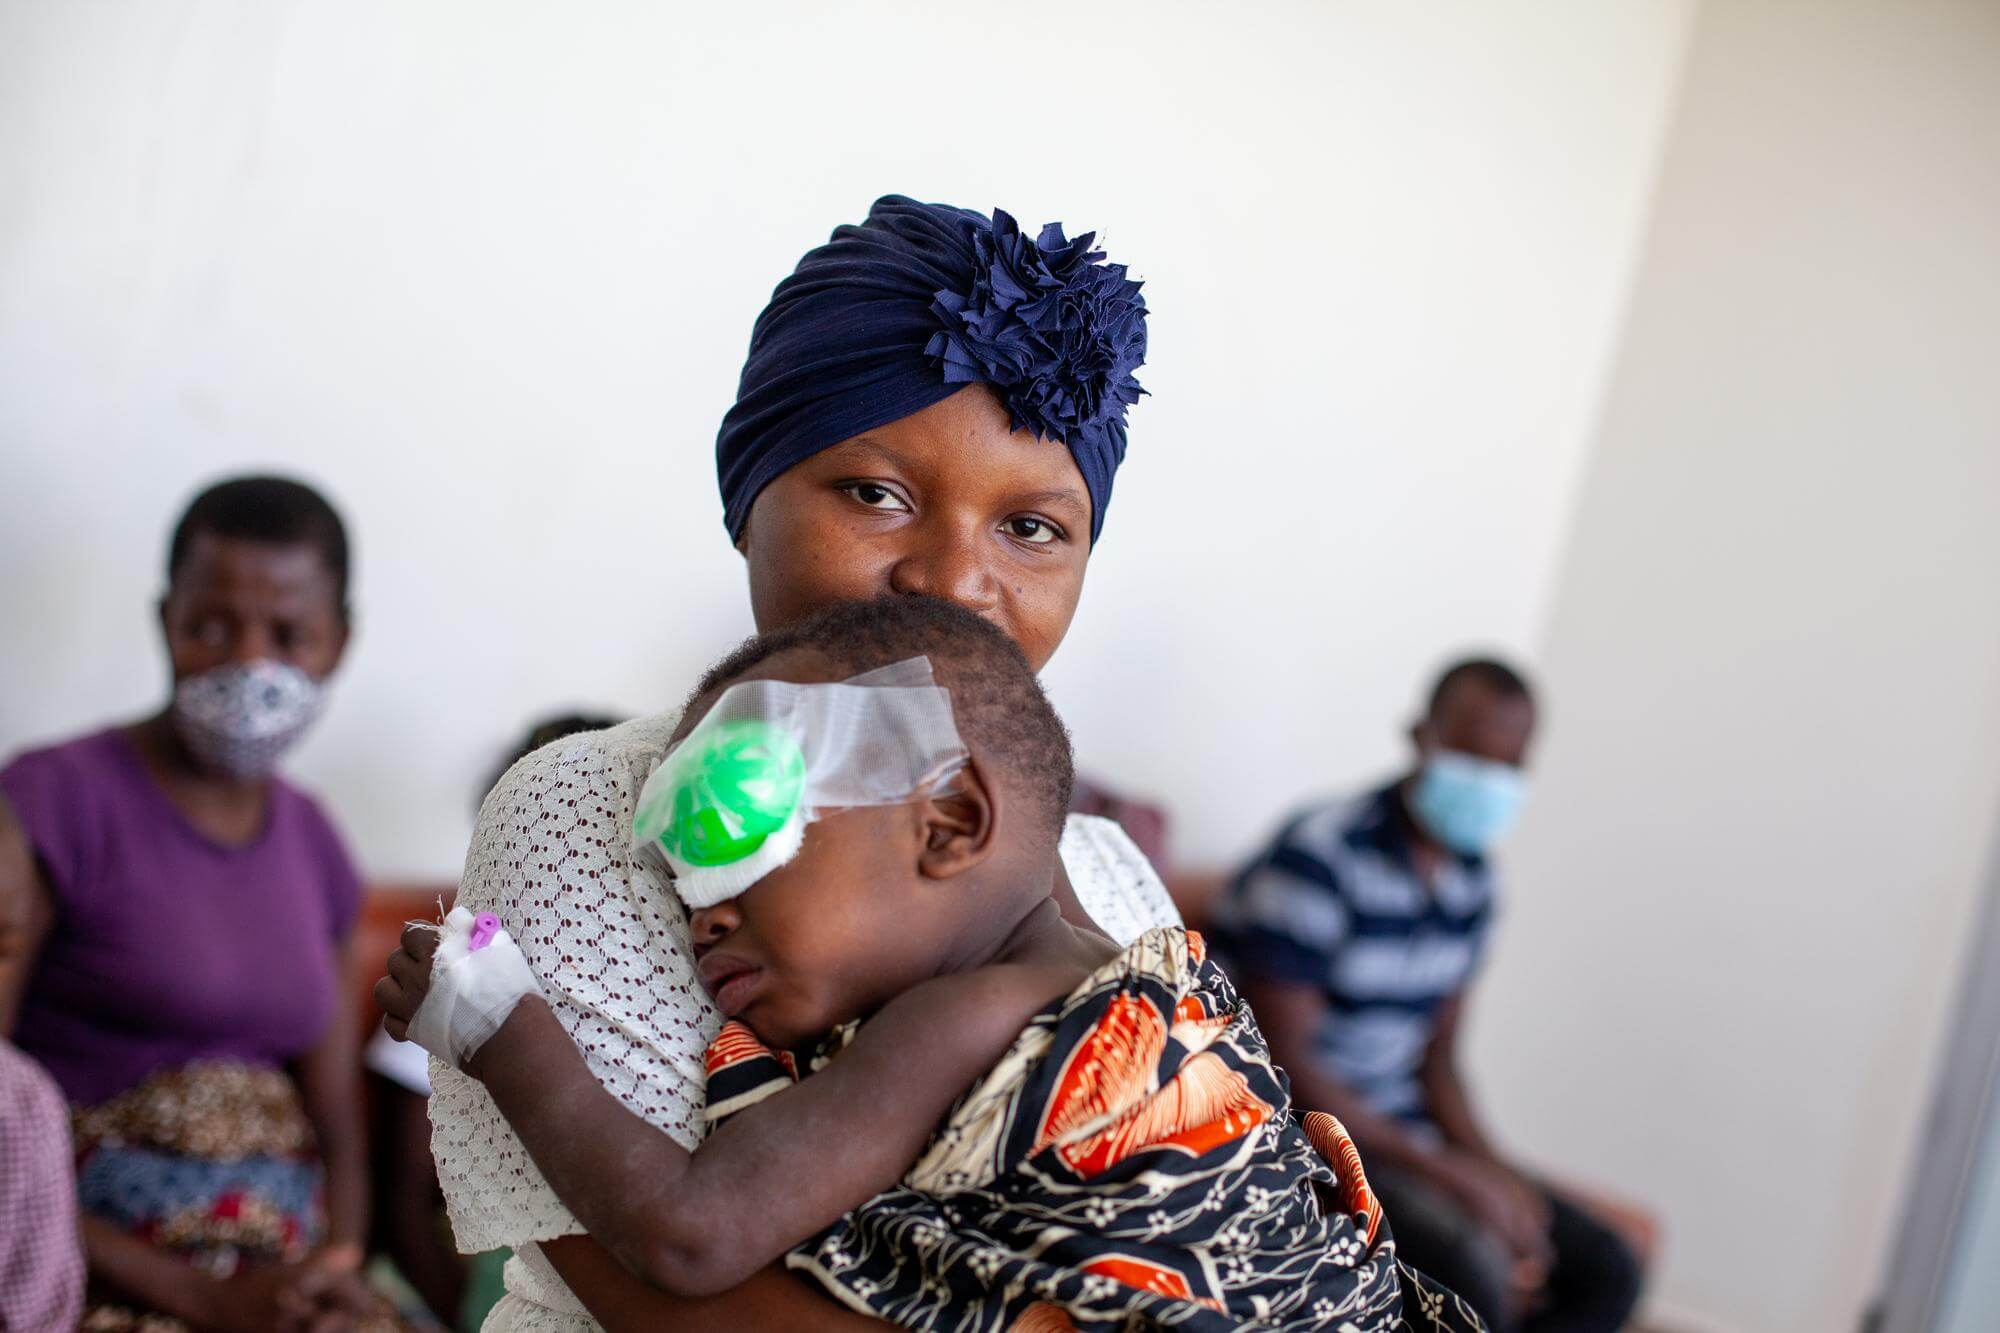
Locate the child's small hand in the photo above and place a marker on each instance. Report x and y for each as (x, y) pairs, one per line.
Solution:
(449, 990)
(402, 992)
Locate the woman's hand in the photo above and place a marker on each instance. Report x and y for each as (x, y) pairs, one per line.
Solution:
(316, 1296)
(773, 1301)
(345, 1257)
(409, 980)
(290, 1298)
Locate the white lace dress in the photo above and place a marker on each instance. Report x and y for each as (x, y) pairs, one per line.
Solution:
(552, 856)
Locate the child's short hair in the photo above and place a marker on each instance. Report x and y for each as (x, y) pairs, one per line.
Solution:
(1002, 713)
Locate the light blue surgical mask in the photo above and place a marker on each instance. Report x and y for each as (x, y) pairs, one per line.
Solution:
(1467, 803)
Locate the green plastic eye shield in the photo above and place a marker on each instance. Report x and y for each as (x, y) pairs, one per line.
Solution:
(733, 789)
(730, 802)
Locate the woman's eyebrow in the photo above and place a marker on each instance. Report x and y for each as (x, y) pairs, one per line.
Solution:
(869, 445)
(1062, 497)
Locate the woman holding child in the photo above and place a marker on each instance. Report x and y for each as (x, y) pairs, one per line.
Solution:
(933, 404)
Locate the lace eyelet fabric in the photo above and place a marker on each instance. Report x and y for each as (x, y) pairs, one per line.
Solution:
(552, 857)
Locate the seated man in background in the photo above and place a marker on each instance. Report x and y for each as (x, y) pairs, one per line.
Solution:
(1354, 936)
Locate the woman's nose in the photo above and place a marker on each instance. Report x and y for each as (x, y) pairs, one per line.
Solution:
(951, 565)
(253, 643)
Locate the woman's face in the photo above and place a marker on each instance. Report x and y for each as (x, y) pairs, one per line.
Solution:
(949, 502)
(234, 601)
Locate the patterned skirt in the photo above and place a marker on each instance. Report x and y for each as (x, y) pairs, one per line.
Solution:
(1132, 1162)
(213, 1162)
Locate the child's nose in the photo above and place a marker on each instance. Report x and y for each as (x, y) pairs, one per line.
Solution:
(709, 924)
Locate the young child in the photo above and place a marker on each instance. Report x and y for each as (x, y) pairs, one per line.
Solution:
(1008, 1122)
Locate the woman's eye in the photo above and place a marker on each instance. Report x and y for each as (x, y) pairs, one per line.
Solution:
(209, 631)
(873, 495)
(1033, 530)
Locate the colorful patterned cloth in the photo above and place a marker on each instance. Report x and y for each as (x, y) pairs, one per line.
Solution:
(212, 1161)
(1132, 1162)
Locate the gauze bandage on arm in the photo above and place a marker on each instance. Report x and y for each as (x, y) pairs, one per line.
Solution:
(731, 802)
(477, 977)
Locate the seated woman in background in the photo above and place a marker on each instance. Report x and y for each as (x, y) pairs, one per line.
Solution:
(182, 978)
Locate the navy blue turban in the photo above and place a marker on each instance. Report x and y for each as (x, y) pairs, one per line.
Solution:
(919, 300)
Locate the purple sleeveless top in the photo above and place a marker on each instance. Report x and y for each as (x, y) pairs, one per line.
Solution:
(167, 946)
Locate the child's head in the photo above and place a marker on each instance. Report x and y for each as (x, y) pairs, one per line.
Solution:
(880, 898)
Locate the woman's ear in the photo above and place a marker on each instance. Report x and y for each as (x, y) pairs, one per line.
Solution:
(342, 637)
(961, 827)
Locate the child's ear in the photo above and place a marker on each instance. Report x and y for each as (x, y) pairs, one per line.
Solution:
(961, 828)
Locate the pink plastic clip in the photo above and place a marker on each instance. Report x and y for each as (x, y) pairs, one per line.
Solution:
(484, 927)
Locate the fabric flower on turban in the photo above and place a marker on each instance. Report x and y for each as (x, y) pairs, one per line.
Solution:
(917, 301)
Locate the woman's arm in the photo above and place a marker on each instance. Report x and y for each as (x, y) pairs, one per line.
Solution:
(408, 1202)
(771, 1301)
(27, 910)
(258, 1298)
(130, 1266)
(329, 1078)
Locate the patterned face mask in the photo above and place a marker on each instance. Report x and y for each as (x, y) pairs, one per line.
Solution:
(239, 719)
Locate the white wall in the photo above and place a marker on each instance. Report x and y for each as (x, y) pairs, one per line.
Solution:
(487, 272)
(1767, 790)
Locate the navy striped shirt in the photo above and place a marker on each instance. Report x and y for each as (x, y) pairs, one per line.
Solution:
(1335, 901)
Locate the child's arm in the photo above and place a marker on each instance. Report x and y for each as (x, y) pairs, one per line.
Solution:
(774, 1174)
(772, 1301)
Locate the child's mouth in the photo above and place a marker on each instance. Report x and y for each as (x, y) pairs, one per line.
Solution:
(730, 982)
